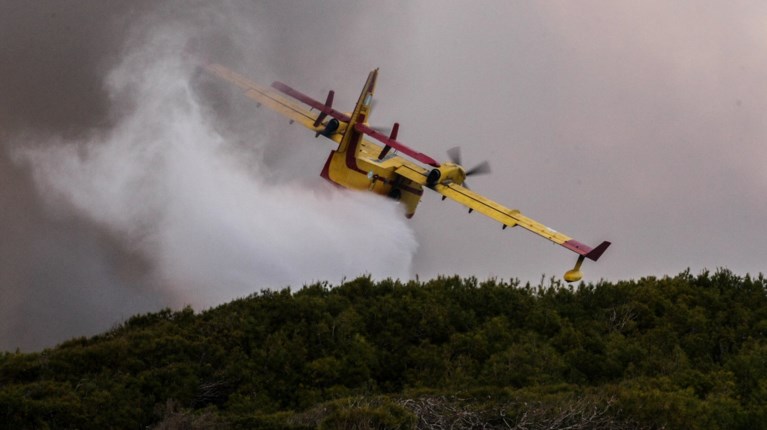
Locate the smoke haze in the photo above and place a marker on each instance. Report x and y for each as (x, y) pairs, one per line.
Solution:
(193, 218)
(128, 184)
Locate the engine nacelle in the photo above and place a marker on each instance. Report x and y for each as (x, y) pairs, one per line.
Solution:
(331, 128)
(448, 173)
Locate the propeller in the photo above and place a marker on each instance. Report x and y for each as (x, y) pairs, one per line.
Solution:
(454, 154)
(480, 169)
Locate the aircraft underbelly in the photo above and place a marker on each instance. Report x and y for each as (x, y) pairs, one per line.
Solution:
(358, 174)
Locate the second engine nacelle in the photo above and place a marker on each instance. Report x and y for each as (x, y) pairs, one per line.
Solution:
(447, 173)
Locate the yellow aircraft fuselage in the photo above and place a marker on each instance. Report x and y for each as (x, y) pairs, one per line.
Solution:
(357, 165)
(354, 168)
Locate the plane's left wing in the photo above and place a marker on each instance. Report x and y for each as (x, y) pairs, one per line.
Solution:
(273, 98)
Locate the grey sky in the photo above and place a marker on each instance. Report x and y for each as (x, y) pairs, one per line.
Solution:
(635, 122)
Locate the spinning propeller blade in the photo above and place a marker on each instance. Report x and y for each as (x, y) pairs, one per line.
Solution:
(479, 169)
(455, 155)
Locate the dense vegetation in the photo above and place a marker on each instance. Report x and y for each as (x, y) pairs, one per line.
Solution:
(675, 352)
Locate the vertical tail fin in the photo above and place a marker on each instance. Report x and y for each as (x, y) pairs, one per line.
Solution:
(360, 115)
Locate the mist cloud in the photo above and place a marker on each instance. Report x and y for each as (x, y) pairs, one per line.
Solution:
(154, 205)
(168, 184)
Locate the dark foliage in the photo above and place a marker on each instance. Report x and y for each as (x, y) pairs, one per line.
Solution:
(674, 352)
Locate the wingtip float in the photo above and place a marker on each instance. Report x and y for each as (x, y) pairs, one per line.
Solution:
(593, 254)
(367, 159)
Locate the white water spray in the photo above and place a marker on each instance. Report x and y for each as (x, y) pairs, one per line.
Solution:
(170, 185)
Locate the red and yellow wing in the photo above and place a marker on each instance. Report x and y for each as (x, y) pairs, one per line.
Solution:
(507, 217)
(271, 98)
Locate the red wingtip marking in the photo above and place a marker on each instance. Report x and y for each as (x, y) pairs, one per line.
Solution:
(325, 173)
(597, 252)
(577, 247)
(587, 251)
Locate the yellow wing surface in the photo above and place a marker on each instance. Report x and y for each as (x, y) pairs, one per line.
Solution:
(270, 98)
(507, 217)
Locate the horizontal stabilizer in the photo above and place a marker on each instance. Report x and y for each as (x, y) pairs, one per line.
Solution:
(388, 141)
(303, 98)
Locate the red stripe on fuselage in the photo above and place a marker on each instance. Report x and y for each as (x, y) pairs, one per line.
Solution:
(351, 149)
(351, 157)
(326, 169)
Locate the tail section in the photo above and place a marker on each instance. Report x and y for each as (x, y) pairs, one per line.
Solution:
(360, 115)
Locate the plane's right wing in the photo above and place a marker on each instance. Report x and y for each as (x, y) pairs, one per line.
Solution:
(507, 217)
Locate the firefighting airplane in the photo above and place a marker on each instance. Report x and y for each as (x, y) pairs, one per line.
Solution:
(361, 164)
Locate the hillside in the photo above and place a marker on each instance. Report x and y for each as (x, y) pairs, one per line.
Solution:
(675, 352)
